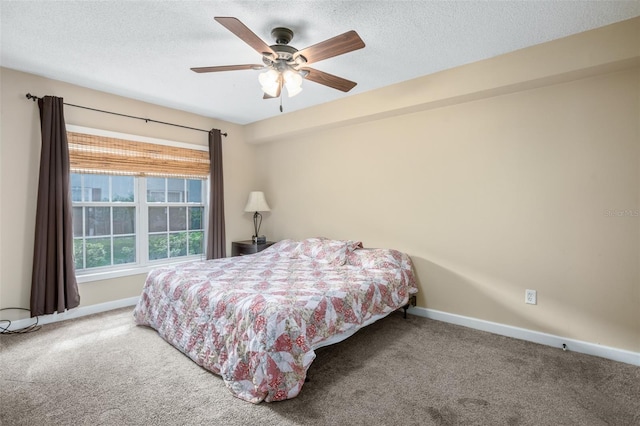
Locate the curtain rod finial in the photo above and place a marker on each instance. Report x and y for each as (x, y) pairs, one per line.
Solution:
(32, 97)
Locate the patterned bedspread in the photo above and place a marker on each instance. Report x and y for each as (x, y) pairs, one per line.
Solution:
(255, 319)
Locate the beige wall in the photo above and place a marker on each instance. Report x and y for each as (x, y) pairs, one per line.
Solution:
(491, 193)
(19, 162)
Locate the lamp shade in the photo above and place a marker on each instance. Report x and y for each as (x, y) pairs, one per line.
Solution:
(257, 202)
(270, 82)
(293, 82)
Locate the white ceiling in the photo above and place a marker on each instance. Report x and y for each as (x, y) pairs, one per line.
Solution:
(144, 49)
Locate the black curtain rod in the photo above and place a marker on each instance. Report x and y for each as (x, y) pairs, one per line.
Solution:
(146, 120)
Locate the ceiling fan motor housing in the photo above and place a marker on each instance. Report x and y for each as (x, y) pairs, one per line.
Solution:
(286, 55)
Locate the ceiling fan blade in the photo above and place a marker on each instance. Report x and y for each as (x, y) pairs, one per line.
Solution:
(335, 46)
(228, 68)
(245, 34)
(330, 80)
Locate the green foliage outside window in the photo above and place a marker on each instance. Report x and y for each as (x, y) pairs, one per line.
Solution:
(157, 247)
(98, 252)
(106, 219)
(195, 242)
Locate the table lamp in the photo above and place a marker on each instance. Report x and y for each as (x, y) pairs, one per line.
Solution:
(257, 203)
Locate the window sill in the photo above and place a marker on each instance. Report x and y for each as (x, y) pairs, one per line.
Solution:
(87, 277)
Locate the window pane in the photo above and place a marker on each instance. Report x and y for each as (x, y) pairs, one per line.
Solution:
(195, 242)
(96, 188)
(122, 188)
(178, 244)
(155, 190)
(124, 250)
(175, 191)
(194, 191)
(77, 253)
(195, 217)
(76, 187)
(97, 221)
(157, 246)
(124, 220)
(77, 221)
(98, 252)
(177, 218)
(157, 219)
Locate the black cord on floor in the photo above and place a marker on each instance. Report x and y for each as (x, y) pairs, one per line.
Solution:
(28, 329)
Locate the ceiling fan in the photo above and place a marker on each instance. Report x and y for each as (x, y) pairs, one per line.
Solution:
(285, 65)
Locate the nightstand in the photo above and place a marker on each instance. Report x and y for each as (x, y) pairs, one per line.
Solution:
(240, 248)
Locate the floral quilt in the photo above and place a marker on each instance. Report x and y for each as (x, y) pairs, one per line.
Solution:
(256, 319)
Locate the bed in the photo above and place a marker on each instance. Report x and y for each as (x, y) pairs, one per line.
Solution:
(255, 320)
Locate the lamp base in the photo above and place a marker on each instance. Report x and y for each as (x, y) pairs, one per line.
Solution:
(259, 240)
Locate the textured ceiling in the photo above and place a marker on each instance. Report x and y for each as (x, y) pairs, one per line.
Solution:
(144, 49)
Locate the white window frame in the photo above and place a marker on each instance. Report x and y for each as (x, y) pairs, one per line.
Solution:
(143, 265)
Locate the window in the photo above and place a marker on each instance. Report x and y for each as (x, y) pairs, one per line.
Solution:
(137, 202)
(109, 215)
(174, 211)
(104, 220)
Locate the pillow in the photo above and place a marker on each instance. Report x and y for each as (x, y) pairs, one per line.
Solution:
(375, 258)
(284, 247)
(324, 250)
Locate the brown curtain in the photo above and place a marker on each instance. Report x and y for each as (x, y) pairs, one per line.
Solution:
(216, 239)
(53, 282)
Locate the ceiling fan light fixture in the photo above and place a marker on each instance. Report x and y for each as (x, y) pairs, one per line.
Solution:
(270, 82)
(293, 82)
(293, 90)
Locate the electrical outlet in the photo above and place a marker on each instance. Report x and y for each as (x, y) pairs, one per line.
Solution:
(530, 297)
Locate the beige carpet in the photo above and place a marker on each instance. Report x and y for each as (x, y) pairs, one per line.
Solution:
(104, 370)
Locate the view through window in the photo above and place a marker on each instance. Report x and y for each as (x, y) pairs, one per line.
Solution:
(114, 225)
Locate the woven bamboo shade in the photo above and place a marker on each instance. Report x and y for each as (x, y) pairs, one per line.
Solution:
(105, 155)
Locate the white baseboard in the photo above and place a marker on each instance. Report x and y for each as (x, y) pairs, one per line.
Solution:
(615, 354)
(75, 313)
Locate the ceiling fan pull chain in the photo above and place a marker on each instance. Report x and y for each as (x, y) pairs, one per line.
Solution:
(280, 100)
